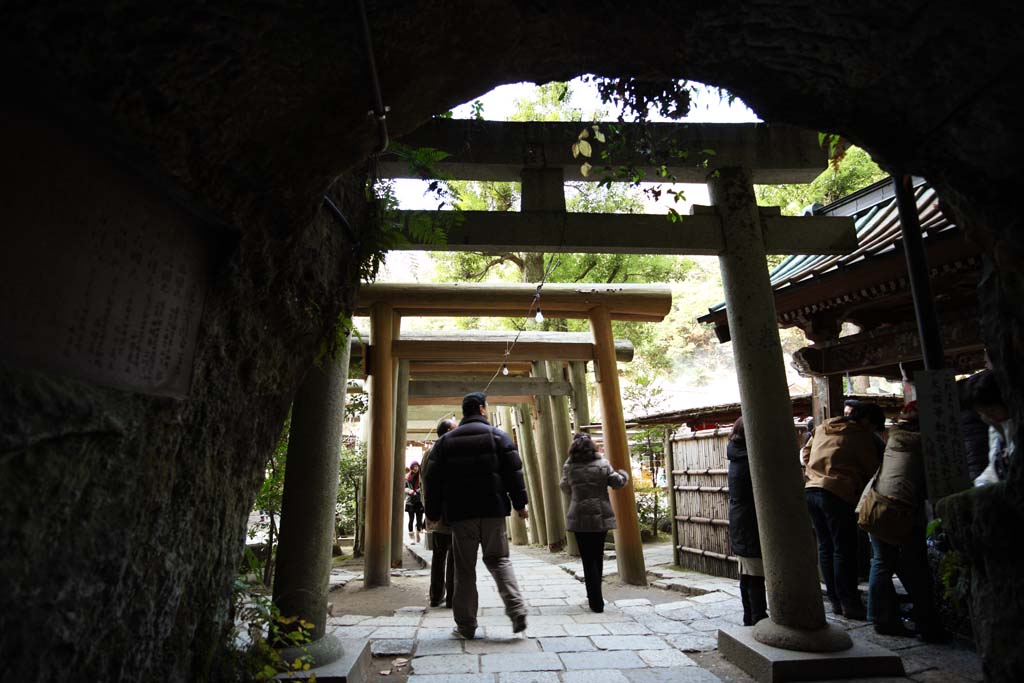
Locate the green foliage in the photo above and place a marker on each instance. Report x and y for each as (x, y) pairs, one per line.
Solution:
(260, 631)
(853, 171)
(351, 472)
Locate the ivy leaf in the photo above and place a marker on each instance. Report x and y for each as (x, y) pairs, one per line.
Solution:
(585, 148)
(598, 135)
(575, 150)
(584, 134)
(585, 169)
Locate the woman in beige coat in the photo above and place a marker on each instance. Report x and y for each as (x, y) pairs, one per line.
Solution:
(587, 476)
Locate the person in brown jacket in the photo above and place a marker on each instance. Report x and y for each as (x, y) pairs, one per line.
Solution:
(587, 476)
(845, 452)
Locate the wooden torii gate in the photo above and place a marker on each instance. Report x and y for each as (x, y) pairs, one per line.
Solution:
(600, 304)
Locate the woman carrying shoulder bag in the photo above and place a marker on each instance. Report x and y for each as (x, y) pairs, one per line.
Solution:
(587, 476)
(743, 531)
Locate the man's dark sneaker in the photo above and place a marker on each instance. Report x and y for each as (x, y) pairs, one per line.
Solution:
(518, 623)
(435, 603)
(837, 608)
(464, 634)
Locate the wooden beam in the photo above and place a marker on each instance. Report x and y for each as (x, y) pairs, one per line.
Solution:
(492, 150)
(623, 347)
(502, 386)
(490, 351)
(615, 233)
(419, 369)
(492, 398)
(650, 303)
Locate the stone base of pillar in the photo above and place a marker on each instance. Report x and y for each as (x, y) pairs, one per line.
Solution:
(333, 660)
(827, 639)
(767, 664)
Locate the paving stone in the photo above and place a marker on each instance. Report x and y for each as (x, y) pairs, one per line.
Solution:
(630, 643)
(633, 602)
(435, 633)
(627, 628)
(392, 632)
(560, 609)
(595, 676)
(347, 619)
(445, 664)
(585, 630)
(721, 609)
(439, 647)
(667, 657)
(689, 674)
(693, 642)
(552, 619)
(354, 632)
(571, 644)
(544, 630)
(528, 677)
(490, 647)
(618, 659)
(498, 632)
(671, 606)
(392, 621)
(715, 596)
(542, 602)
(521, 661)
(390, 647)
(451, 678)
(663, 626)
(708, 624)
(599, 617)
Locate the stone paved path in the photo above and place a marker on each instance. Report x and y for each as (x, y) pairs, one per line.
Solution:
(633, 641)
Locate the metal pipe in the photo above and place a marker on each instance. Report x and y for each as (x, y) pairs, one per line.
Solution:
(917, 273)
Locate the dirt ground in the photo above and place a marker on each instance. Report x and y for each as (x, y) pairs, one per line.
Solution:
(404, 591)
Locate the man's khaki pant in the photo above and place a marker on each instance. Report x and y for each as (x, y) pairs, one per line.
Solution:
(488, 533)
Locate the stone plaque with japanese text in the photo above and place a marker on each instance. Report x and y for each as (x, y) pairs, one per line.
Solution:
(103, 277)
(945, 456)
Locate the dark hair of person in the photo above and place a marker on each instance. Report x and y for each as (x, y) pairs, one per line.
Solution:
(414, 476)
(871, 412)
(738, 435)
(444, 426)
(582, 447)
(471, 403)
(983, 390)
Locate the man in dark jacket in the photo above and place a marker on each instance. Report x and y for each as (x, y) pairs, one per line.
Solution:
(476, 479)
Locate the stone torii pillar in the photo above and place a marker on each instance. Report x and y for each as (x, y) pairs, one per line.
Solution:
(629, 551)
(580, 399)
(787, 543)
(310, 493)
(381, 455)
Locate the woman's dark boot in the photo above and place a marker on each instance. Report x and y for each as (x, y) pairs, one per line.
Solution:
(758, 599)
(745, 598)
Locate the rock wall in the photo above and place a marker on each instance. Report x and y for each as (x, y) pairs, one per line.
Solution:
(121, 516)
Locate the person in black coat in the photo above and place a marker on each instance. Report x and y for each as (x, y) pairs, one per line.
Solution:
(475, 480)
(743, 532)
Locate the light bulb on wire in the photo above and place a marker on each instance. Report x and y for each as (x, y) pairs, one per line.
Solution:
(504, 370)
(539, 317)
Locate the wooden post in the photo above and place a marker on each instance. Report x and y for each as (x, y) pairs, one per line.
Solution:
(580, 397)
(516, 524)
(670, 481)
(398, 491)
(563, 439)
(531, 467)
(826, 397)
(381, 456)
(628, 547)
(549, 470)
